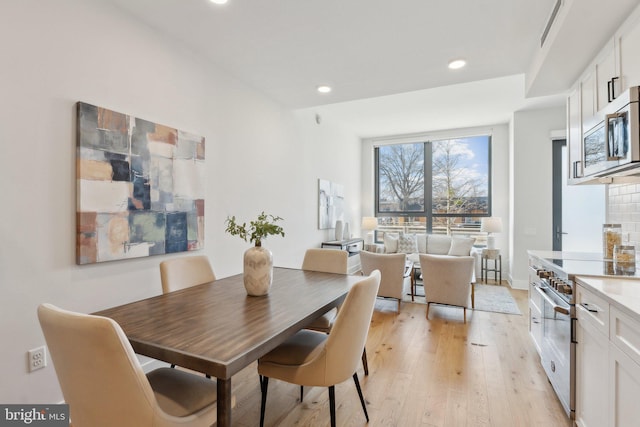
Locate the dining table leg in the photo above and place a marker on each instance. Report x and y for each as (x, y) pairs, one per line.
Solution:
(224, 402)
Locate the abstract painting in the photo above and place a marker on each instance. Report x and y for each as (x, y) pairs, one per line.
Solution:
(140, 187)
(330, 203)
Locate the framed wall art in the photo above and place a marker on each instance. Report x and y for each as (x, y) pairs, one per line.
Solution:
(140, 187)
(330, 203)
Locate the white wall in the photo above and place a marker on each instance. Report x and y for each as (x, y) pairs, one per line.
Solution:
(500, 174)
(532, 186)
(259, 156)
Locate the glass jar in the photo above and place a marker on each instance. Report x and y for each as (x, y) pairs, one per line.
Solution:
(624, 259)
(611, 236)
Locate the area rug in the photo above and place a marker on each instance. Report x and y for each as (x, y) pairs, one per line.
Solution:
(492, 298)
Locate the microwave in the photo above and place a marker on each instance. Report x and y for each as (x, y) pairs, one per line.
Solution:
(613, 144)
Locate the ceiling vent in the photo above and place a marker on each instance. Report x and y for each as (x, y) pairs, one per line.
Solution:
(552, 17)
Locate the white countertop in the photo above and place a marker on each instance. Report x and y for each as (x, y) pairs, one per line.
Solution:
(622, 292)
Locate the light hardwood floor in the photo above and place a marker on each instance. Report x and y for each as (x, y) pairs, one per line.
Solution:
(436, 372)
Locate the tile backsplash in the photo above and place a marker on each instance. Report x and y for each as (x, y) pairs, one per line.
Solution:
(624, 208)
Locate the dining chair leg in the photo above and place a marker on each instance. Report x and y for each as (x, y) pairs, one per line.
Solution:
(301, 392)
(364, 405)
(365, 364)
(332, 405)
(428, 309)
(264, 384)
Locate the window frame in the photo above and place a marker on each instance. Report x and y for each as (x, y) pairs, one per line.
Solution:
(427, 213)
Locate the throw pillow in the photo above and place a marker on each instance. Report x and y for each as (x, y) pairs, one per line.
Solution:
(461, 246)
(390, 243)
(407, 244)
(422, 243)
(438, 244)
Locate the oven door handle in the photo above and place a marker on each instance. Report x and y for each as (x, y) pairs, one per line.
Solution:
(557, 308)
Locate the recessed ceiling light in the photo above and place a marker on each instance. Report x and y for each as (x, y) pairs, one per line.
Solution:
(324, 89)
(457, 64)
(219, 1)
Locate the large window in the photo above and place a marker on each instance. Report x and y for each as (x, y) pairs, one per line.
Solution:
(435, 186)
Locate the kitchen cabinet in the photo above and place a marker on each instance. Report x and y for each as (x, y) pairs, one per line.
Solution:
(606, 76)
(535, 317)
(588, 101)
(535, 312)
(627, 44)
(624, 369)
(592, 360)
(574, 134)
(607, 361)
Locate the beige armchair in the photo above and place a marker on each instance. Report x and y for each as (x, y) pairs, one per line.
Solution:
(448, 280)
(184, 272)
(392, 270)
(104, 384)
(311, 358)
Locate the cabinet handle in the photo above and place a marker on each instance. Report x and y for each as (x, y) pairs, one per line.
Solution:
(609, 85)
(592, 308)
(613, 88)
(576, 167)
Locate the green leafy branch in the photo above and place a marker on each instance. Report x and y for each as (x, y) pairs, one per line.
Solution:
(258, 230)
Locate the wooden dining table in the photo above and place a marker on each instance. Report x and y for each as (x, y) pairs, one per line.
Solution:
(217, 329)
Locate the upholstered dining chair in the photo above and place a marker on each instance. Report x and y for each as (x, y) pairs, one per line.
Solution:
(448, 280)
(327, 261)
(311, 358)
(103, 383)
(184, 272)
(393, 272)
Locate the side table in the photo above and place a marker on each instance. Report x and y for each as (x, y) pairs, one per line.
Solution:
(495, 256)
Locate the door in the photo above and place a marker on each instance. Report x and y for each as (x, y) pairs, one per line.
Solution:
(578, 210)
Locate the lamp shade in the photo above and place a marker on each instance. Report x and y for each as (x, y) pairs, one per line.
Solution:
(491, 224)
(369, 223)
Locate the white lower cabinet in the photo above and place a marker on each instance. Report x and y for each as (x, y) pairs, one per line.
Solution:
(592, 365)
(607, 364)
(624, 370)
(625, 390)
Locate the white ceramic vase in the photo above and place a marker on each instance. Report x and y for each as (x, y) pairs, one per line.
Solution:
(258, 270)
(339, 226)
(346, 233)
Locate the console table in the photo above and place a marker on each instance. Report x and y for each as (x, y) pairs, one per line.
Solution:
(353, 246)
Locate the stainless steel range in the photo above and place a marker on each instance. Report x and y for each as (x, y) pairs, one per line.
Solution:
(552, 315)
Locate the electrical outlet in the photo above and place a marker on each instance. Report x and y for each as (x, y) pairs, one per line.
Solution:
(37, 358)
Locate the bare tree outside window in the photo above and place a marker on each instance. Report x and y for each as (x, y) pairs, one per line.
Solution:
(458, 187)
(457, 173)
(401, 178)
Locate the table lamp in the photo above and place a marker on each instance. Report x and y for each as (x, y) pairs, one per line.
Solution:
(369, 223)
(489, 225)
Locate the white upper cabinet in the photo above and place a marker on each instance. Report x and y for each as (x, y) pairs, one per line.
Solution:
(612, 71)
(607, 77)
(628, 46)
(574, 134)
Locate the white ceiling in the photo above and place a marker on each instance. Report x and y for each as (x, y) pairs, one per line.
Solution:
(387, 60)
